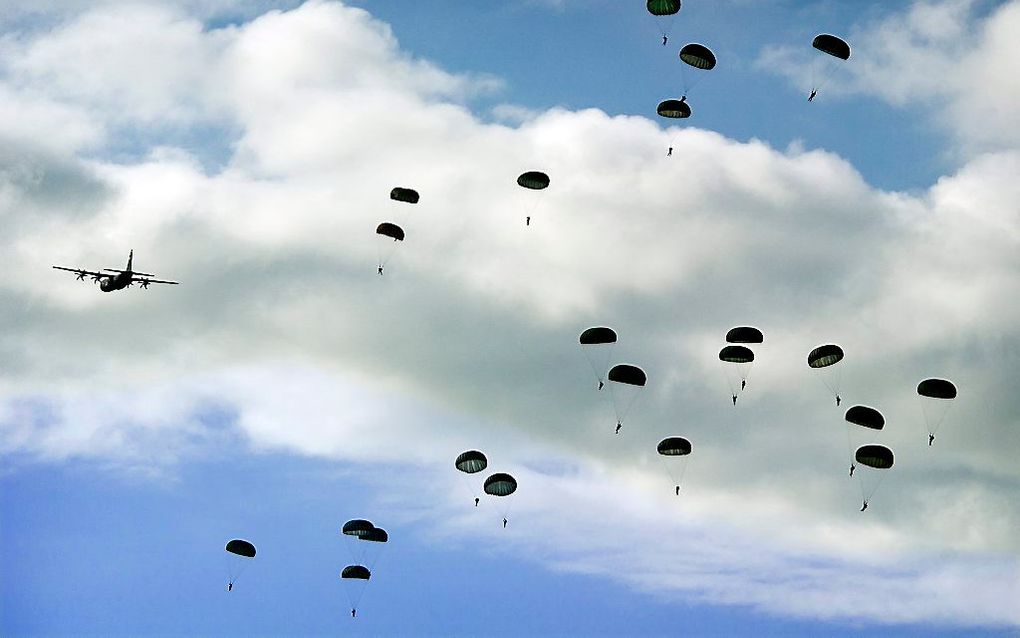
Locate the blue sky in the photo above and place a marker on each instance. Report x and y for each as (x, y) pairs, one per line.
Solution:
(247, 149)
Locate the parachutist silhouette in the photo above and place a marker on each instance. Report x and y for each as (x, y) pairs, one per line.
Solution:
(838, 400)
(527, 221)
(380, 270)
(665, 39)
(734, 399)
(811, 97)
(354, 613)
(931, 439)
(865, 506)
(852, 468)
(678, 490)
(230, 586)
(669, 153)
(618, 426)
(504, 523)
(601, 385)
(743, 384)
(476, 501)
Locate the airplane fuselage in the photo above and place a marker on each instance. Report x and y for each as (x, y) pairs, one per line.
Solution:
(115, 282)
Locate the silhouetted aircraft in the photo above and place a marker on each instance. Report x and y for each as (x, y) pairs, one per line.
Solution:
(122, 279)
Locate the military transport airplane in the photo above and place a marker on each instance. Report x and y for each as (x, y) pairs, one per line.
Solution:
(124, 278)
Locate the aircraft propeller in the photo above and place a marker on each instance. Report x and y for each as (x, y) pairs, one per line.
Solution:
(144, 283)
(81, 275)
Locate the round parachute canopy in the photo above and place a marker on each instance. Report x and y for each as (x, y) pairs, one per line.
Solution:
(376, 535)
(832, 45)
(674, 446)
(241, 548)
(358, 527)
(698, 56)
(471, 461)
(390, 230)
(596, 336)
(877, 456)
(937, 389)
(736, 354)
(825, 356)
(626, 373)
(865, 417)
(744, 334)
(535, 180)
(675, 109)
(663, 7)
(359, 572)
(401, 194)
(500, 484)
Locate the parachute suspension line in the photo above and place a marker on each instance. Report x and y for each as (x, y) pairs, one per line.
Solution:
(621, 414)
(866, 495)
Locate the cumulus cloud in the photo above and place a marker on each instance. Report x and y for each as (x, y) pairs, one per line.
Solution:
(282, 337)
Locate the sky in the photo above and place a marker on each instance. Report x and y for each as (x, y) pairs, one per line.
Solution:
(247, 150)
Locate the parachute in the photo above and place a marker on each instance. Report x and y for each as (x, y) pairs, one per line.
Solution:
(375, 535)
(500, 484)
(664, 12)
(936, 396)
(387, 229)
(744, 334)
(837, 51)
(359, 572)
(400, 194)
(627, 374)
(673, 451)
(471, 461)
(874, 461)
(738, 361)
(865, 417)
(597, 345)
(699, 56)
(535, 181)
(357, 527)
(824, 358)
(241, 552)
(674, 109)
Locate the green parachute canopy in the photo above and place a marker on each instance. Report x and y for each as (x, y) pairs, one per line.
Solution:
(471, 461)
(375, 535)
(937, 389)
(865, 417)
(825, 356)
(674, 109)
(877, 456)
(357, 527)
(699, 56)
(744, 334)
(534, 180)
(674, 446)
(388, 229)
(627, 374)
(597, 336)
(663, 7)
(500, 484)
(241, 548)
(357, 572)
(832, 45)
(401, 194)
(736, 354)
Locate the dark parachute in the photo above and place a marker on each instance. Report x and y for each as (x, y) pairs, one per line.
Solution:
(534, 180)
(663, 7)
(376, 535)
(832, 45)
(241, 548)
(825, 356)
(699, 56)
(408, 195)
(627, 374)
(877, 456)
(471, 461)
(674, 109)
(937, 389)
(865, 417)
(597, 335)
(388, 229)
(744, 334)
(674, 446)
(356, 572)
(736, 354)
(500, 484)
(357, 527)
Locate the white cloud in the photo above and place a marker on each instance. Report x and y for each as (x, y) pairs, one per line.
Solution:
(470, 335)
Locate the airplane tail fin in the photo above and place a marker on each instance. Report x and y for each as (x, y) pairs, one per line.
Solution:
(131, 256)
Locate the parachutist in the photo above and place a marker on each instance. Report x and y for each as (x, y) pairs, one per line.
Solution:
(838, 399)
(601, 385)
(230, 586)
(852, 468)
(811, 97)
(931, 439)
(669, 153)
(678, 490)
(865, 506)
(527, 221)
(734, 399)
(618, 426)
(380, 270)
(476, 501)
(743, 384)
(504, 523)
(665, 39)
(354, 613)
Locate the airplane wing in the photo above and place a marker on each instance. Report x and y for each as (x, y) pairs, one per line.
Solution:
(82, 273)
(145, 281)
